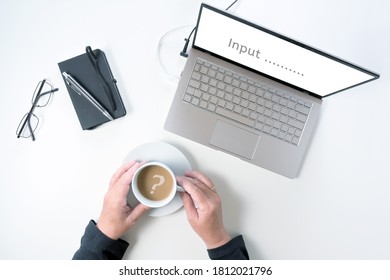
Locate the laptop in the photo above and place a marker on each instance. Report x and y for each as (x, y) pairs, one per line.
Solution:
(253, 93)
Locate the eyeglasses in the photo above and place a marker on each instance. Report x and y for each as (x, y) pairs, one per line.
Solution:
(41, 97)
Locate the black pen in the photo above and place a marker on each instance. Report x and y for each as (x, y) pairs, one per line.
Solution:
(81, 91)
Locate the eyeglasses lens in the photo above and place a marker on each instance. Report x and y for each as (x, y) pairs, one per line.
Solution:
(27, 125)
(42, 100)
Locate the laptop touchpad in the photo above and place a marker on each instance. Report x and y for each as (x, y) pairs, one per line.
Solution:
(234, 139)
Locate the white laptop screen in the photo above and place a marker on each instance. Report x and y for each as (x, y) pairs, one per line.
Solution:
(275, 55)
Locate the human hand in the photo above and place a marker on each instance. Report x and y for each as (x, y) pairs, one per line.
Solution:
(117, 217)
(203, 208)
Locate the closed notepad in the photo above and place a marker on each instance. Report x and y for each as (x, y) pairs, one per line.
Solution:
(92, 71)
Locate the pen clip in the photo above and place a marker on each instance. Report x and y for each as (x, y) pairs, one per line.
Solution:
(70, 84)
(94, 61)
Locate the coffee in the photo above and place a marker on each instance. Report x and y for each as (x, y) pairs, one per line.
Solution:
(155, 182)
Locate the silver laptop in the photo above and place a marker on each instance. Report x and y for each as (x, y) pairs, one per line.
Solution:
(254, 93)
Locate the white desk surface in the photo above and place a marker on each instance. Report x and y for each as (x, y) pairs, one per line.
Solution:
(338, 207)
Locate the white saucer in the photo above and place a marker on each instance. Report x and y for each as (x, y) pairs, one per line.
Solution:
(171, 156)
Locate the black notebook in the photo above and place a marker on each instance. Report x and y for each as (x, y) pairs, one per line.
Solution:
(92, 71)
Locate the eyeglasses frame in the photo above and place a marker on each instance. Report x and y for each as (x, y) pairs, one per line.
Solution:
(34, 105)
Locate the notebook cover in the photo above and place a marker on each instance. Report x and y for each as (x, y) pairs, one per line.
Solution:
(82, 70)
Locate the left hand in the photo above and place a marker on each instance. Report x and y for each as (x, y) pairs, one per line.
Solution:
(117, 217)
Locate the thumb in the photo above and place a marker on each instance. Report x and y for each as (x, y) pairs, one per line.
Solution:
(136, 213)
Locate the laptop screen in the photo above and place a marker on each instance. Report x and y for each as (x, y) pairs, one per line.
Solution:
(275, 55)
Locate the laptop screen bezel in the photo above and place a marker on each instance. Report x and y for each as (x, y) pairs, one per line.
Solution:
(288, 39)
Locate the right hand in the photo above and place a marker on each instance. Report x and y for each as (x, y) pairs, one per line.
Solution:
(203, 208)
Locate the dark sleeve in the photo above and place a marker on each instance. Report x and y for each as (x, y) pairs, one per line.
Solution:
(97, 246)
(235, 249)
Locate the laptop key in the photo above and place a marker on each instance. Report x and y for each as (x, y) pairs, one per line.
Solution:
(196, 76)
(237, 109)
(302, 109)
(252, 89)
(307, 104)
(197, 93)
(296, 123)
(275, 132)
(245, 112)
(195, 101)
(221, 103)
(219, 76)
(194, 83)
(229, 106)
(203, 70)
(212, 73)
(288, 138)
(211, 107)
(301, 118)
(205, 79)
(267, 129)
(235, 83)
(220, 94)
(229, 89)
(190, 90)
(233, 116)
(187, 98)
(259, 126)
(213, 82)
(281, 134)
(213, 100)
(227, 79)
(212, 91)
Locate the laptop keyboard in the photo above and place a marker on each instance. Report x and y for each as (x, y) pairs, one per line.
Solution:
(258, 106)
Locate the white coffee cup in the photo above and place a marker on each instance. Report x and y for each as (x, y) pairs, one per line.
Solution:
(154, 184)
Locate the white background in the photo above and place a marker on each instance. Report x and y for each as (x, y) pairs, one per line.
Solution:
(338, 207)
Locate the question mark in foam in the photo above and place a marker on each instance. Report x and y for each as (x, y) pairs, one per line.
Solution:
(161, 181)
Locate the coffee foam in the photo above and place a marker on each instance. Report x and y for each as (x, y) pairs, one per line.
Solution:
(155, 182)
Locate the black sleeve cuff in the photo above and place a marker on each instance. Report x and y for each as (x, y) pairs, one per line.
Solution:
(235, 249)
(97, 246)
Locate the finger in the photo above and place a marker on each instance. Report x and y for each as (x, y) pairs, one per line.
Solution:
(125, 180)
(201, 181)
(201, 177)
(189, 206)
(128, 175)
(205, 189)
(123, 169)
(197, 195)
(136, 213)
